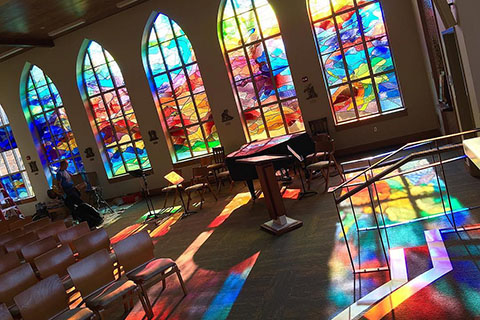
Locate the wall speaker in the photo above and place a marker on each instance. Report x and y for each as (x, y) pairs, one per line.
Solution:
(445, 13)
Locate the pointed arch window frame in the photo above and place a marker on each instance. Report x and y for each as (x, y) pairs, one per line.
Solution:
(279, 101)
(76, 159)
(149, 28)
(83, 87)
(371, 75)
(6, 127)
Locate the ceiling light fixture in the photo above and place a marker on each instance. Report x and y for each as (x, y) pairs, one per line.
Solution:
(9, 53)
(125, 3)
(66, 27)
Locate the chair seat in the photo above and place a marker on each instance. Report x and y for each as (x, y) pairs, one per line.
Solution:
(195, 187)
(172, 187)
(103, 297)
(75, 314)
(150, 269)
(317, 154)
(318, 165)
(215, 166)
(223, 174)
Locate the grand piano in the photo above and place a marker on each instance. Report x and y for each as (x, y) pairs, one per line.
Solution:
(300, 142)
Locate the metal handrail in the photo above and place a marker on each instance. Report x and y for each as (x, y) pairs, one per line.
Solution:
(405, 147)
(393, 167)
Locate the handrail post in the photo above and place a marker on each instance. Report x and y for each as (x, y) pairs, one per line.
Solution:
(446, 185)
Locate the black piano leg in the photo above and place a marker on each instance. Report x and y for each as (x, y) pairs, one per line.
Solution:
(251, 188)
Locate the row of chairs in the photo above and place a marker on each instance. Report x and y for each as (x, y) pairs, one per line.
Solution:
(14, 223)
(89, 271)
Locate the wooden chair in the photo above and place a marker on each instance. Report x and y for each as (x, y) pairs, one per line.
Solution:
(8, 262)
(135, 255)
(55, 261)
(18, 243)
(9, 236)
(37, 248)
(66, 237)
(35, 225)
(93, 277)
(15, 281)
(318, 126)
(170, 188)
(4, 313)
(52, 230)
(91, 242)
(199, 183)
(4, 227)
(19, 223)
(47, 300)
(325, 146)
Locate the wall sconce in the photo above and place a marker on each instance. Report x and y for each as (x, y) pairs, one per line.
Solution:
(153, 135)
(225, 116)
(33, 166)
(89, 153)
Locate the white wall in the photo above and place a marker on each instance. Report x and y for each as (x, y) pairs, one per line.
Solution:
(121, 35)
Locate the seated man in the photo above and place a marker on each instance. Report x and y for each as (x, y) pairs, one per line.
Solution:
(71, 195)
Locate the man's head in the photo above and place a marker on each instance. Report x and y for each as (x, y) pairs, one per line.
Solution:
(63, 165)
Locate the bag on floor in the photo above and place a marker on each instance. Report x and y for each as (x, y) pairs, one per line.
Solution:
(85, 212)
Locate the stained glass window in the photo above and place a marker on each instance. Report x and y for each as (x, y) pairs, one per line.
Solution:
(259, 69)
(114, 121)
(12, 171)
(177, 83)
(49, 124)
(354, 50)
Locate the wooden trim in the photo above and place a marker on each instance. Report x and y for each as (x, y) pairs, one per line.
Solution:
(402, 140)
(25, 201)
(126, 177)
(191, 162)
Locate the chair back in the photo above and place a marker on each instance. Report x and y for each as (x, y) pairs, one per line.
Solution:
(218, 154)
(18, 243)
(8, 262)
(42, 301)
(91, 242)
(19, 223)
(323, 143)
(3, 227)
(200, 174)
(318, 126)
(92, 273)
(4, 313)
(55, 261)
(134, 250)
(67, 236)
(52, 229)
(9, 236)
(35, 225)
(15, 281)
(37, 248)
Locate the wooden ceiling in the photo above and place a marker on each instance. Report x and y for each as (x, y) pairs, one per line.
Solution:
(27, 23)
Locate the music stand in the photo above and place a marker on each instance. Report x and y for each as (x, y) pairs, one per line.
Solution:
(145, 192)
(176, 180)
(303, 166)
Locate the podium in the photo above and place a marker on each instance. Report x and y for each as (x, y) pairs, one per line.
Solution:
(279, 223)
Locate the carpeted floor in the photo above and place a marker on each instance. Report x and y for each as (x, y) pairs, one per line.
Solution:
(234, 270)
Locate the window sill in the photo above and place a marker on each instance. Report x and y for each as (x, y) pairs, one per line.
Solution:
(369, 120)
(26, 200)
(126, 177)
(191, 162)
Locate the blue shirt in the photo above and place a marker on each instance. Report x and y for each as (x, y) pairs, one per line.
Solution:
(65, 180)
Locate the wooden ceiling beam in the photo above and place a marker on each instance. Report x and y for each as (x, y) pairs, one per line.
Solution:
(27, 43)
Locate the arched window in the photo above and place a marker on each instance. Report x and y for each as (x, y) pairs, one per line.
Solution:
(259, 69)
(12, 171)
(354, 50)
(49, 124)
(178, 90)
(111, 113)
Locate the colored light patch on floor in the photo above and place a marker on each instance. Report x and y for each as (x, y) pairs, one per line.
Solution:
(211, 293)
